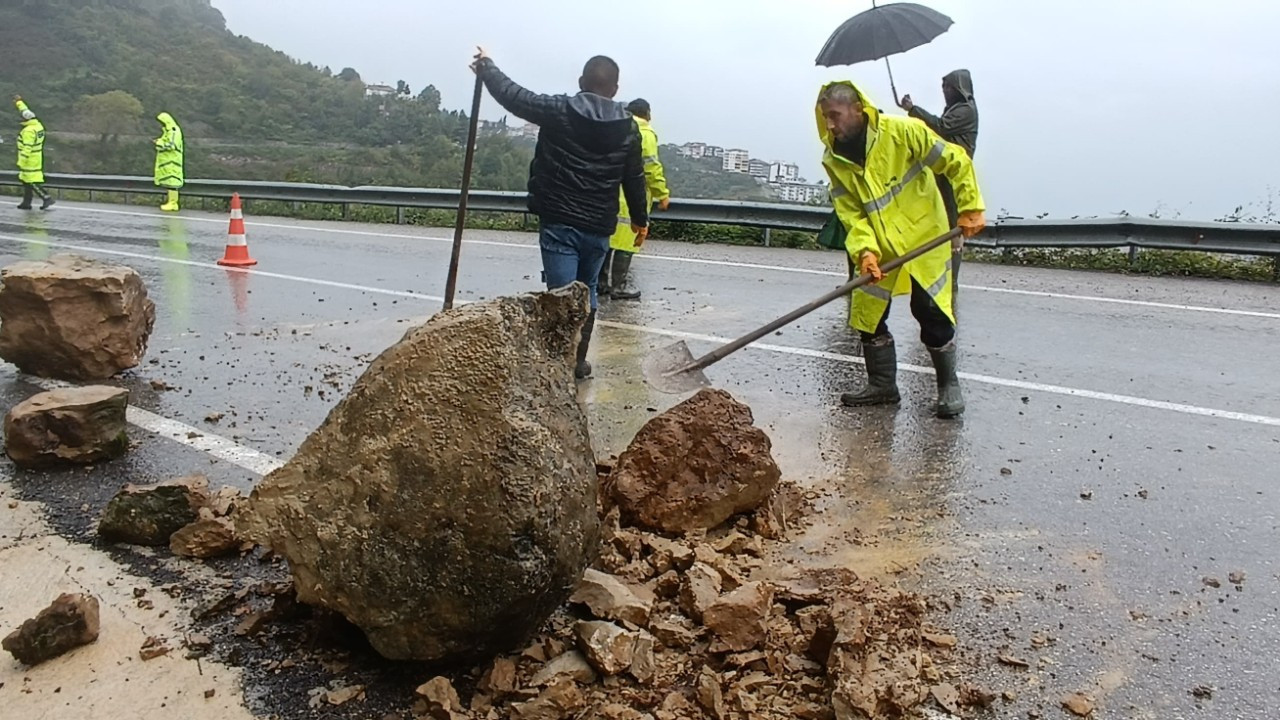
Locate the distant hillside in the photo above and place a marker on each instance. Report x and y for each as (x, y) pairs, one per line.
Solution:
(705, 178)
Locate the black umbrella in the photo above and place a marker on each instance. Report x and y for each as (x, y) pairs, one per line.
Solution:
(880, 32)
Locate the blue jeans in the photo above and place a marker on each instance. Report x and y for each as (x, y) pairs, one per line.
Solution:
(569, 254)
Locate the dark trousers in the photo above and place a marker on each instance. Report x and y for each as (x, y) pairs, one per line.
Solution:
(953, 216)
(936, 329)
(30, 189)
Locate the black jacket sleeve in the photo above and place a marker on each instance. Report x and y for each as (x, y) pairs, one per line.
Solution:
(526, 105)
(633, 180)
(956, 120)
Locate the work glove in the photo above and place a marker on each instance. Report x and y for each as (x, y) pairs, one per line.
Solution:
(970, 224)
(869, 264)
(664, 203)
(642, 234)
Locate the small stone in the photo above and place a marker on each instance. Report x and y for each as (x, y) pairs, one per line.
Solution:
(946, 696)
(1202, 692)
(501, 677)
(675, 633)
(225, 501)
(940, 640)
(1077, 704)
(1236, 578)
(344, 695)
(1006, 471)
(198, 642)
(205, 539)
(69, 622)
(739, 618)
(559, 701)
(606, 646)
(1212, 582)
(153, 648)
(1086, 495)
(611, 599)
(571, 664)
(644, 663)
(213, 418)
(150, 515)
(209, 693)
(251, 625)
(1014, 662)
(710, 695)
(441, 699)
(701, 588)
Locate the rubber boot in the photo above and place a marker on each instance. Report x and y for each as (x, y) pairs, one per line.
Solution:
(882, 377)
(623, 288)
(27, 193)
(604, 286)
(950, 398)
(48, 201)
(172, 204)
(582, 370)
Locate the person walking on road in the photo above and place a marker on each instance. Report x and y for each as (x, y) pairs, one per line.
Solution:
(169, 160)
(615, 276)
(882, 172)
(588, 147)
(31, 158)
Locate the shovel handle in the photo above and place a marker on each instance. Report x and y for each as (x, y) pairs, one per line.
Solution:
(727, 349)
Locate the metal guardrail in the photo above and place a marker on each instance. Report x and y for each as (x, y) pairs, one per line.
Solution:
(1120, 232)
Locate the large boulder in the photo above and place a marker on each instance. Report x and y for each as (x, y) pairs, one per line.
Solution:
(695, 466)
(447, 506)
(67, 426)
(73, 318)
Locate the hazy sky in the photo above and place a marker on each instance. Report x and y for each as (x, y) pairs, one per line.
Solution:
(1087, 107)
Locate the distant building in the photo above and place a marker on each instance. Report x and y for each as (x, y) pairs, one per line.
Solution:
(379, 91)
(694, 150)
(528, 130)
(780, 172)
(715, 151)
(758, 168)
(799, 192)
(736, 160)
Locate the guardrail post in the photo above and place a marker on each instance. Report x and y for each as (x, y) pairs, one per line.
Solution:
(346, 210)
(768, 236)
(128, 197)
(1275, 268)
(296, 207)
(399, 216)
(90, 196)
(1133, 256)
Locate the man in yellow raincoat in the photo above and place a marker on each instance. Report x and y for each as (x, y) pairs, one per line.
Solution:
(31, 158)
(882, 172)
(615, 276)
(169, 160)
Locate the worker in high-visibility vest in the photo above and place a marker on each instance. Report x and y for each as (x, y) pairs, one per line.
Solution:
(169, 159)
(882, 172)
(615, 276)
(31, 158)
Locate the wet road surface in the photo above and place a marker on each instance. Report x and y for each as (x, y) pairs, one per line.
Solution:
(1120, 445)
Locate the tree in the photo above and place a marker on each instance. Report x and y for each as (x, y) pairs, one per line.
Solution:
(430, 98)
(110, 114)
(349, 75)
(402, 88)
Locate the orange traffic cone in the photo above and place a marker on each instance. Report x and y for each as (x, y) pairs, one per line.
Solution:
(237, 254)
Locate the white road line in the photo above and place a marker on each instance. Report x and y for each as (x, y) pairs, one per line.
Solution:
(767, 347)
(725, 263)
(193, 437)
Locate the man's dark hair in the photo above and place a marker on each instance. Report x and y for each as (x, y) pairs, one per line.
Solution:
(640, 107)
(600, 74)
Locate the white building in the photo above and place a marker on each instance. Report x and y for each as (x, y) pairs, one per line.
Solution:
(758, 168)
(379, 91)
(694, 150)
(736, 160)
(799, 192)
(715, 151)
(780, 172)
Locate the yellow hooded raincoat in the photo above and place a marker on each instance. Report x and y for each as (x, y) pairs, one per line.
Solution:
(169, 154)
(655, 188)
(892, 206)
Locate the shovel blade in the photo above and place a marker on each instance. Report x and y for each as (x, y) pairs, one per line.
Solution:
(667, 370)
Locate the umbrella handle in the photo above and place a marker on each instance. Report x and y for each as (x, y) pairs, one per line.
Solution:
(893, 87)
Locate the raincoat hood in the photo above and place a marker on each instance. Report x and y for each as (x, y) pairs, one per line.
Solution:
(166, 120)
(28, 115)
(961, 81)
(873, 113)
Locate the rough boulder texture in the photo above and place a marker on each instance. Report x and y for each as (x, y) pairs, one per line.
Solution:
(73, 318)
(71, 621)
(447, 506)
(67, 426)
(151, 514)
(695, 466)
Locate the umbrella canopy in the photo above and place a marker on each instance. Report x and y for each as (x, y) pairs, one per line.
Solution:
(882, 31)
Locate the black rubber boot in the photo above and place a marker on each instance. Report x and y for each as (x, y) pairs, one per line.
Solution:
(882, 377)
(604, 287)
(26, 198)
(623, 288)
(48, 202)
(582, 370)
(950, 398)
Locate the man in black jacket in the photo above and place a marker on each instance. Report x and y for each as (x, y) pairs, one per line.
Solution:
(588, 146)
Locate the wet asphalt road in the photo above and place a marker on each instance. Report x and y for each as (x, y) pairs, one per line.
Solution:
(1114, 454)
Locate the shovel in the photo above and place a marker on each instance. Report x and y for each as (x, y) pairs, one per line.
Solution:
(673, 369)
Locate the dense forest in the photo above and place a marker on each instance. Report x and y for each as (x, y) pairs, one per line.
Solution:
(98, 71)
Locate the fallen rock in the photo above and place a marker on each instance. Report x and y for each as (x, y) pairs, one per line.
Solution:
(606, 646)
(675, 633)
(153, 648)
(1236, 578)
(205, 538)
(73, 318)
(500, 678)
(151, 514)
(695, 466)
(611, 599)
(67, 426)
(644, 662)
(344, 695)
(1078, 704)
(439, 699)
(710, 694)
(739, 618)
(225, 501)
(873, 663)
(71, 621)
(700, 588)
(447, 506)
(559, 701)
(947, 696)
(571, 664)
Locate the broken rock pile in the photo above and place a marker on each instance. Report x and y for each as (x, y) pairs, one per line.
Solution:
(73, 318)
(447, 506)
